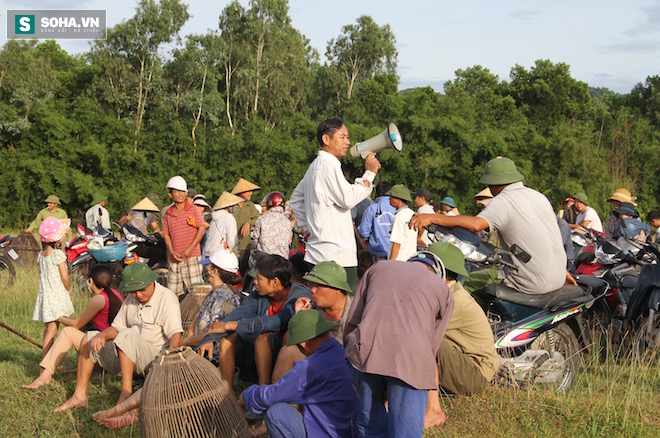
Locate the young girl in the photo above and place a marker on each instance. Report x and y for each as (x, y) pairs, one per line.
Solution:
(54, 299)
(97, 316)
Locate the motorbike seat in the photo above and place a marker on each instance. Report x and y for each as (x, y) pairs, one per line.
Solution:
(566, 296)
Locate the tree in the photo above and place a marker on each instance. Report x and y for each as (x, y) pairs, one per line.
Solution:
(362, 50)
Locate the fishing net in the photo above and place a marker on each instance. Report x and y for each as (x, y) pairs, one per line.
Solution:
(185, 396)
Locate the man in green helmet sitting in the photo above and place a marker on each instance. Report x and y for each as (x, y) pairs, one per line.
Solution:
(526, 225)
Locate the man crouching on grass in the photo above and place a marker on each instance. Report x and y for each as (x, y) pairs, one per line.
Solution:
(147, 323)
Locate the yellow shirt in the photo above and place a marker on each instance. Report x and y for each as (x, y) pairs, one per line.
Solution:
(470, 332)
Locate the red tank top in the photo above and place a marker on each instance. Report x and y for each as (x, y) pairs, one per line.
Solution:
(100, 321)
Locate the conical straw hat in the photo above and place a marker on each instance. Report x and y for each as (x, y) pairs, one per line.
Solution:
(226, 200)
(145, 205)
(244, 185)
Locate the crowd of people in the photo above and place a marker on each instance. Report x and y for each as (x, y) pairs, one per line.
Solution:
(362, 329)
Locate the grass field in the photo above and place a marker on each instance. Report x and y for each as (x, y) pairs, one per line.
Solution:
(610, 399)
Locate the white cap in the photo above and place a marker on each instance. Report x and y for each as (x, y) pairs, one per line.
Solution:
(177, 183)
(223, 259)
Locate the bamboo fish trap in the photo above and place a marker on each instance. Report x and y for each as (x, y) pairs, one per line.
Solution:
(191, 302)
(185, 396)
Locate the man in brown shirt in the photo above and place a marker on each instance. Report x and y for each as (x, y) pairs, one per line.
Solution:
(394, 328)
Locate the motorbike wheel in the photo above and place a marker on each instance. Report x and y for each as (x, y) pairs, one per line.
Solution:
(78, 275)
(7, 269)
(647, 340)
(561, 368)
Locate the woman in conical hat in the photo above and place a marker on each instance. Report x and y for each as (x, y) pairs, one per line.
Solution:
(142, 215)
(222, 232)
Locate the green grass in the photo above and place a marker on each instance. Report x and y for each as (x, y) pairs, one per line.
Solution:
(611, 398)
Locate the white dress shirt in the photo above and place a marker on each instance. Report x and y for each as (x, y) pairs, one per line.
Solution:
(322, 204)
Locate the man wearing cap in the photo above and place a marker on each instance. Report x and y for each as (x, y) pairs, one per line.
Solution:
(323, 199)
(246, 216)
(148, 323)
(630, 226)
(377, 221)
(449, 206)
(467, 359)
(587, 216)
(394, 328)
(260, 320)
(612, 222)
(97, 215)
(331, 295)
(52, 209)
(422, 199)
(403, 240)
(526, 225)
(183, 229)
(320, 384)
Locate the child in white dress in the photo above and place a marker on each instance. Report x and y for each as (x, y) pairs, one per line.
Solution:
(54, 298)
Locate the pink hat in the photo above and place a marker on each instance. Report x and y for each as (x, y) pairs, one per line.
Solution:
(53, 229)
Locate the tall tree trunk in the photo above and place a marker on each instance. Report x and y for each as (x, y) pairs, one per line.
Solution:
(199, 111)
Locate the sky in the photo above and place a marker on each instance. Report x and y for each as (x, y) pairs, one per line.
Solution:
(607, 43)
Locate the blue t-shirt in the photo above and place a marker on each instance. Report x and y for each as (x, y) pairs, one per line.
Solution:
(321, 384)
(376, 225)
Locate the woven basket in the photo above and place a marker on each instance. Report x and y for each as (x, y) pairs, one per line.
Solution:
(27, 248)
(191, 302)
(162, 276)
(185, 396)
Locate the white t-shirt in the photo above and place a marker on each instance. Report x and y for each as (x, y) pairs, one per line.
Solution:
(426, 209)
(403, 235)
(590, 215)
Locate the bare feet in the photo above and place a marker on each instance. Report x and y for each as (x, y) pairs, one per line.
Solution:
(124, 420)
(259, 431)
(123, 396)
(43, 379)
(73, 402)
(433, 418)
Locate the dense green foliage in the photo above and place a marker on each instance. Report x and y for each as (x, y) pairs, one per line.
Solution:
(244, 100)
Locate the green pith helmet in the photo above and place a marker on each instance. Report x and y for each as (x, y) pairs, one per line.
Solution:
(451, 257)
(500, 171)
(582, 197)
(98, 197)
(329, 274)
(52, 199)
(400, 191)
(136, 276)
(306, 325)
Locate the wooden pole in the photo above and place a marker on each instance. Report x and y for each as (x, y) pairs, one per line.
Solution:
(17, 333)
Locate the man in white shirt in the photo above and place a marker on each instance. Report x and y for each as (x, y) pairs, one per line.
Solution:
(323, 199)
(97, 215)
(403, 240)
(587, 216)
(422, 198)
(148, 322)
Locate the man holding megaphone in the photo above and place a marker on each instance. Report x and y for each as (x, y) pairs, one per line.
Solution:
(323, 199)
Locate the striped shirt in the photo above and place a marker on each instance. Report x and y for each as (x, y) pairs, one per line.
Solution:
(182, 228)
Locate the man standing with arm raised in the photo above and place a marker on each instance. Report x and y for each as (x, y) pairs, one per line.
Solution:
(323, 199)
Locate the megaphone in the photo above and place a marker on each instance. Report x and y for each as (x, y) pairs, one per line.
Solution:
(388, 139)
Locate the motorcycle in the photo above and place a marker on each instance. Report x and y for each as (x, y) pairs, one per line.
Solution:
(629, 312)
(539, 338)
(81, 256)
(8, 258)
(146, 248)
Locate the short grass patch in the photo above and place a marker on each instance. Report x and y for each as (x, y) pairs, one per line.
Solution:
(610, 398)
